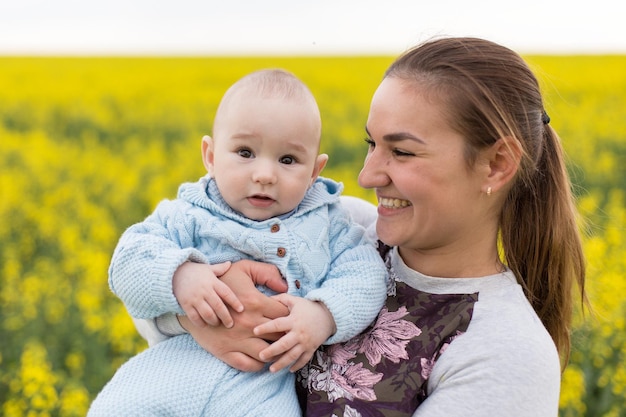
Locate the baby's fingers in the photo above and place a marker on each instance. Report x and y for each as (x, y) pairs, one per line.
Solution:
(286, 352)
(279, 347)
(224, 296)
(293, 358)
(303, 360)
(281, 324)
(202, 317)
(228, 297)
(216, 312)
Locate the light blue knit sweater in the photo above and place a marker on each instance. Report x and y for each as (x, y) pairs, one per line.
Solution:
(324, 251)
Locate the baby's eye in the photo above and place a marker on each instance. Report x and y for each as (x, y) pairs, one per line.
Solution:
(287, 160)
(244, 153)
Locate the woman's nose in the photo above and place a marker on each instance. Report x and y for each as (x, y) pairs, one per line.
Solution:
(372, 174)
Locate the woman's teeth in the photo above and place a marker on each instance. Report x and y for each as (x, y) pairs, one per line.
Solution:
(393, 203)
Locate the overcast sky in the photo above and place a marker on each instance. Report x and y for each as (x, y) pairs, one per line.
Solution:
(257, 27)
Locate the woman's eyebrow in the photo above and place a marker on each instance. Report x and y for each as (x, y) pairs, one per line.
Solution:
(397, 137)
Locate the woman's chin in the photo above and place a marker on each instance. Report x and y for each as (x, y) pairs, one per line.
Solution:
(386, 235)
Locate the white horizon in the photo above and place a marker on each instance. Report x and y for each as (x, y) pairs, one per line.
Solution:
(291, 27)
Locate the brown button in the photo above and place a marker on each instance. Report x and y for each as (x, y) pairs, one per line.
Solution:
(298, 284)
(275, 228)
(281, 252)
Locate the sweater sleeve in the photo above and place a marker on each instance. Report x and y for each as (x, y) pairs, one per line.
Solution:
(355, 288)
(147, 256)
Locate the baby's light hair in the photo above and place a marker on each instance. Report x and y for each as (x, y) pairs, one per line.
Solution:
(270, 83)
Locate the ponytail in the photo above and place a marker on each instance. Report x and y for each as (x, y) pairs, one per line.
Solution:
(541, 241)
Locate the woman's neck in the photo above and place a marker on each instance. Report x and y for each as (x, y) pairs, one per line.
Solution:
(439, 263)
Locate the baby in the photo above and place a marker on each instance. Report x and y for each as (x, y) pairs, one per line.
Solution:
(261, 199)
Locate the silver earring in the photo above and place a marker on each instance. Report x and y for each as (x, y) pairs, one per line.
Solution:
(488, 191)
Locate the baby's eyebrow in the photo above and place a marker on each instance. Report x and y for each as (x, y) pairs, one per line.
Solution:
(297, 146)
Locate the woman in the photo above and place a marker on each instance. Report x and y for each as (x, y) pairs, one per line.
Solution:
(481, 240)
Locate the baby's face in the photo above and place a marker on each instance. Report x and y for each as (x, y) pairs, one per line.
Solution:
(265, 155)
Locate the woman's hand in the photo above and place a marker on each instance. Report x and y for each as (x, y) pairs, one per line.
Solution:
(238, 346)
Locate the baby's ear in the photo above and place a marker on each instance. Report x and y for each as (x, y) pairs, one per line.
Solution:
(207, 153)
(320, 163)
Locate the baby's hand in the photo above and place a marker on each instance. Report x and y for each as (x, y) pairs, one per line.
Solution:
(307, 326)
(202, 296)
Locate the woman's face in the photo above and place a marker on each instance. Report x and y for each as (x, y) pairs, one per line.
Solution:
(429, 200)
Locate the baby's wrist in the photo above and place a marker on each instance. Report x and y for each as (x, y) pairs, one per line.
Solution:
(330, 319)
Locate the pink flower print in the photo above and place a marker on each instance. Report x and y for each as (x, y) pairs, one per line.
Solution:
(353, 381)
(340, 353)
(427, 367)
(318, 379)
(351, 412)
(388, 337)
(428, 364)
(339, 377)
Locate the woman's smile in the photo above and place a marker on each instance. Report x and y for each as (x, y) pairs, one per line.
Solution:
(393, 203)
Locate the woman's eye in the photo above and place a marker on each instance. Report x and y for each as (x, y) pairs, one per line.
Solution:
(244, 153)
(400, 152)
(370, 142)
(287, 160)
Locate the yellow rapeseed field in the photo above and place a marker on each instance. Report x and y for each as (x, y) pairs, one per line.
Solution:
(88, 146)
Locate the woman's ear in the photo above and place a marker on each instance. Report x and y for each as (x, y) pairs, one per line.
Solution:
(207, 153)
(504, 158)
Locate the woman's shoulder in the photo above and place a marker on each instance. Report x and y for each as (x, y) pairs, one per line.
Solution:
(505, 329)
(505, 350)
(504, 312)
(503, 326)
